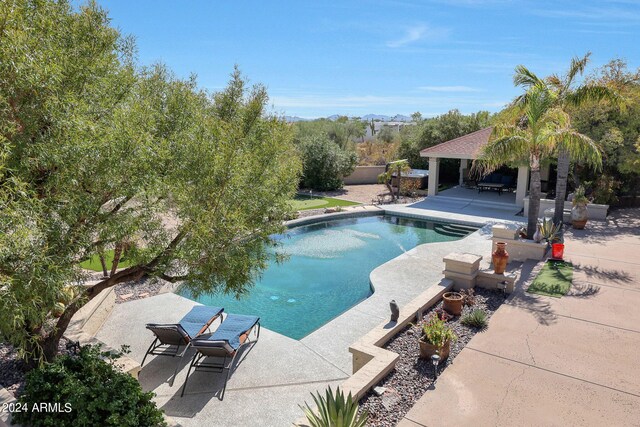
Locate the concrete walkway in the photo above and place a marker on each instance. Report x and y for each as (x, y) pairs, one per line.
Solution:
(546, 361)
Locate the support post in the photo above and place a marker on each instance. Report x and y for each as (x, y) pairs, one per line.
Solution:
(523, 185)
(434, 171)
(463, 166)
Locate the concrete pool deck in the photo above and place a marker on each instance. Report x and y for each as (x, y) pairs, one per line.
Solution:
(277, 374)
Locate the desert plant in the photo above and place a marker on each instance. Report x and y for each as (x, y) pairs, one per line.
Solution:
(334, 410)
(550, 232)
(579, 197)
(436, 331)
(90, 390)
(475, 319)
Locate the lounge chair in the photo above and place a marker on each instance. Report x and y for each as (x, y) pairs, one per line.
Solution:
(171, 336)
(225, 342)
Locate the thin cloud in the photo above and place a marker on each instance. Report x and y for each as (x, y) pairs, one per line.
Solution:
(372, 101)
(417, 33)
(449, 89)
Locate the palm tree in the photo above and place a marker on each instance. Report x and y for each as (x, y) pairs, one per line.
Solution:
(534, 134)
(567, 94)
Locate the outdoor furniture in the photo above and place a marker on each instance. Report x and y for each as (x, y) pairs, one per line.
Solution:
(171, 336)
(225, 343)
(482, 186)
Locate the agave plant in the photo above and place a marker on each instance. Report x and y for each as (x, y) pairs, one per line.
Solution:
(334, 410)
(550, 231)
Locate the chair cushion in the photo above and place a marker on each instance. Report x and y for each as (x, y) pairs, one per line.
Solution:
(198, 317)
(232, 327)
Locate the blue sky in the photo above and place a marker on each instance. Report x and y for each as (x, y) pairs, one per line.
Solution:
(319, 58)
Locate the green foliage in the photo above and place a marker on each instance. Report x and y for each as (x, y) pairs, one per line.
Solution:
(579, 197)
(97, 151)
(604, 189)
(475, 319)
(324, 163)
(334, 410)
(436, 332)
(532, 132)
(550, 231)
(95, 391)
(615, 127)
(396, 168)
(386, 134)
(93, 263)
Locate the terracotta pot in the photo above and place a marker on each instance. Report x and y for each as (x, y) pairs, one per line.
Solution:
(427, 350)
(579, 216)
(500, 258)
(452, 303)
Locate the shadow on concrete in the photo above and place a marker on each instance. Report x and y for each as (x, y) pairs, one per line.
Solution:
(594, 272)
(582, 290)
(159, 370)
(201, 388)
(535, 304)
(620, 222)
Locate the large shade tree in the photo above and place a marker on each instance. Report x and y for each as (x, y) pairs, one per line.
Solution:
(567, 94)
(98, 153)
(531, 133)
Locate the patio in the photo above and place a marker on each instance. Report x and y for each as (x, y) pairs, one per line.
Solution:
(473, 195)
(555, 361)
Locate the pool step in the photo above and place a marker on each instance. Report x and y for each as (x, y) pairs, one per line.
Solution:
(453, 230)
(461, 228)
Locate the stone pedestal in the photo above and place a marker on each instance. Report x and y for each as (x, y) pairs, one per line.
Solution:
(462, 269)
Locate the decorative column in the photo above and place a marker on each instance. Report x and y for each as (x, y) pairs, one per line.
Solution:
(523, 185)
(463, 166)
(434, 171)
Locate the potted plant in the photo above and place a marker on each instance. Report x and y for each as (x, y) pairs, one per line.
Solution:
(436, 338)
(579, 212)
(452, 303)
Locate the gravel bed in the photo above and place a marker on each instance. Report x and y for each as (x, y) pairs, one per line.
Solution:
(139, 289)
(12, 369)
(413, 376)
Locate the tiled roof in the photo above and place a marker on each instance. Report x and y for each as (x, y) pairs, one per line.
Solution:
(464, 147)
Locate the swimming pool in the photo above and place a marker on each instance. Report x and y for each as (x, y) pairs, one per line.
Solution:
(328, 268)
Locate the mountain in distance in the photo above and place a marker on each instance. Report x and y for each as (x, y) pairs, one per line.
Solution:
(293, 119)
(367, 118)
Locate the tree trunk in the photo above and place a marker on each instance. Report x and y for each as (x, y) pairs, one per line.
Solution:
(117, 253)
(534, 200)
(103, 262)
(564, 160)
(49, 344)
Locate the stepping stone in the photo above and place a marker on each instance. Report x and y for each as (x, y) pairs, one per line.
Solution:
(126, 296)
(144, 294)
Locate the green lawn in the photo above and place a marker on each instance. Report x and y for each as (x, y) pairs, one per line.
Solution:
(94, 262)
(302, 202)
(554, 279)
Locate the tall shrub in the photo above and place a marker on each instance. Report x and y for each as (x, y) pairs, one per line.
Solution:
(325, 163)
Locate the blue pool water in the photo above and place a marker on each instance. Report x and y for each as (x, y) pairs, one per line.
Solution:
(328, 268)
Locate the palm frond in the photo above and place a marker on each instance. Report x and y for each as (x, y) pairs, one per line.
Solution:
(576, 67)
(592, 93)
(555, 81)
(581, 148)
(526, 78)
(506, 149)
